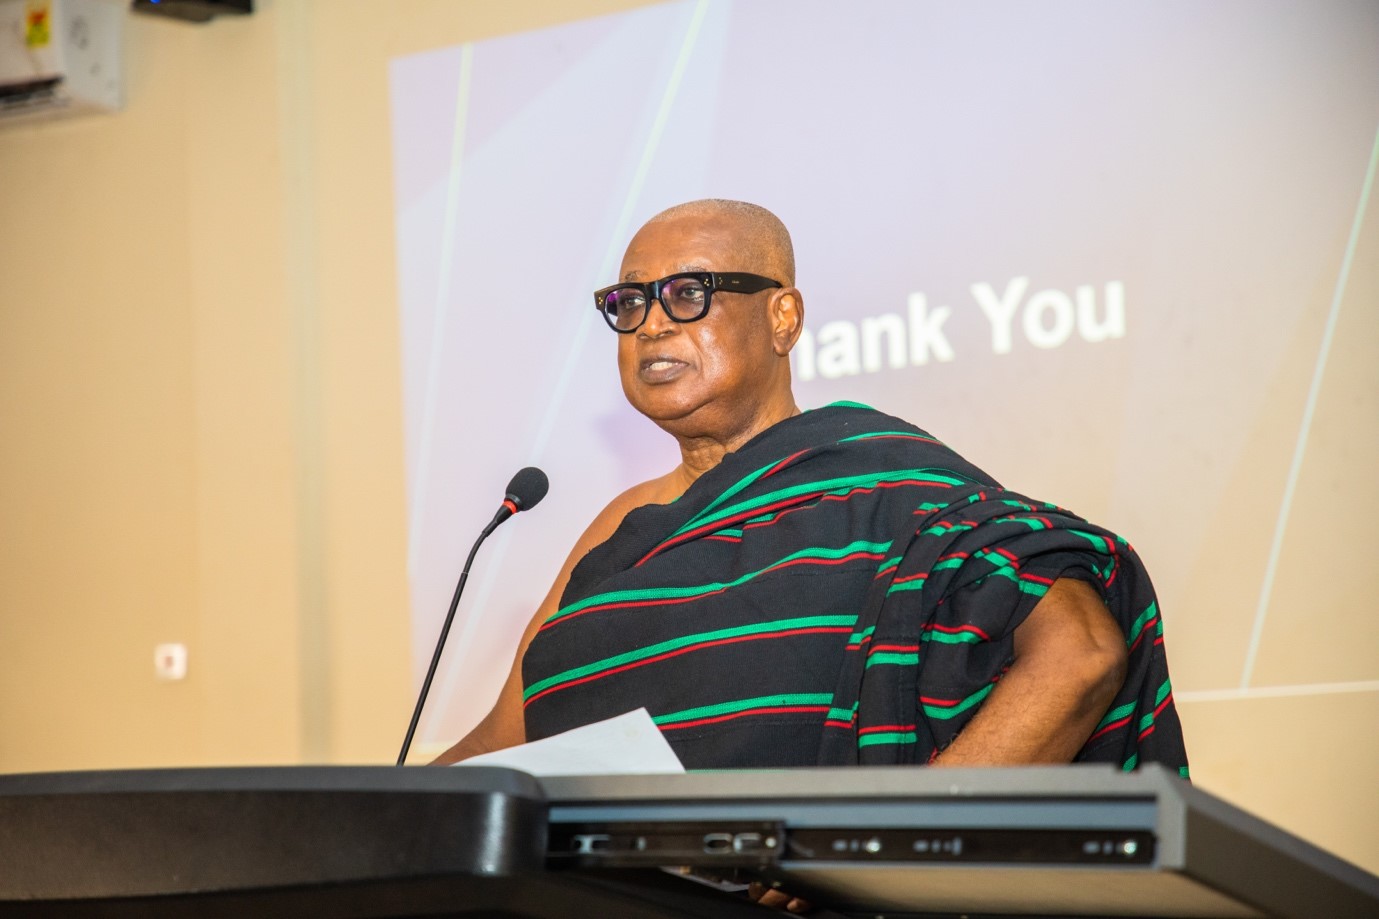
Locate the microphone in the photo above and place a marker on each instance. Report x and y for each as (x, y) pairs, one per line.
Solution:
(525, 491)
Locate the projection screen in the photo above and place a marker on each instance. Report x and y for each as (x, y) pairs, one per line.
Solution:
(1100, 249)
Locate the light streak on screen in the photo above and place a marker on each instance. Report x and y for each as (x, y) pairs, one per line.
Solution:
(1091, 246)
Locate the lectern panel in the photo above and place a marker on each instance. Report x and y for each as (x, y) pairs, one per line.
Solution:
(476, 843)
(74, 836)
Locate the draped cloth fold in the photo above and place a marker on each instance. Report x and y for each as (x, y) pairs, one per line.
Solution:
(844, 589)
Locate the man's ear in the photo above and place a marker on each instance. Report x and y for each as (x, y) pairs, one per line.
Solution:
(787, 319)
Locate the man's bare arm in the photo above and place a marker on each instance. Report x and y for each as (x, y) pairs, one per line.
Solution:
(504, 725)
(1070, 661)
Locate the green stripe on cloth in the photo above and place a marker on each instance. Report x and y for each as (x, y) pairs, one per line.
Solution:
(892, 657)
(689, 641)
(873, 434)
(739, 706)
(1100, 543)
(952, 638)
(1148, 720)
(736, 488)
(835, 486)
(1140, 621)
(1033, 588)
(1027, 521)
(871, 740)
(1115, 714)
(939, 530)
(695, 590)
(857, 637)
(944, 712)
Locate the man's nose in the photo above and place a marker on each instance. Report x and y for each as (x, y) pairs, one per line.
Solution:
(658, 321)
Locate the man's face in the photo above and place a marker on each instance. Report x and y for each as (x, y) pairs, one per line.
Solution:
(702, 378)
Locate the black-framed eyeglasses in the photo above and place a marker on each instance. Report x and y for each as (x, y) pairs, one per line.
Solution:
(684, 296)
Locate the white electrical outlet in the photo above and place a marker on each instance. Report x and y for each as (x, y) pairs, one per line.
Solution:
(170, 661)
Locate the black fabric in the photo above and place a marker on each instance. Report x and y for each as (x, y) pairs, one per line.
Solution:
(842, 590)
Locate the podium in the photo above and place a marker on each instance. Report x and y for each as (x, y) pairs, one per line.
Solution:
(488, 843)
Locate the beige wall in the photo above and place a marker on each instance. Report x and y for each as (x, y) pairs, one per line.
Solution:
(200, 395)
(200, 429)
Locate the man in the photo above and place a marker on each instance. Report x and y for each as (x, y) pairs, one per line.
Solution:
(828, 587)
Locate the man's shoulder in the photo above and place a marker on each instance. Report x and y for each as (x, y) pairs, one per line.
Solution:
(661, 490)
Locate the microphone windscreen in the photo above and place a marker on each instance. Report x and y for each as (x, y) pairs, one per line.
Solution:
(528, 487)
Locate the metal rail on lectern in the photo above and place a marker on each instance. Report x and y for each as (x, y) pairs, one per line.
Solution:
(1055, 841)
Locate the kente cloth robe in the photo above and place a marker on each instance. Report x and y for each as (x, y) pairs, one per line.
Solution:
(842, 590)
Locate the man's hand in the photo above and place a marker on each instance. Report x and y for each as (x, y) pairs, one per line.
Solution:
(1070, 661)
(778, 899)
(502, 728)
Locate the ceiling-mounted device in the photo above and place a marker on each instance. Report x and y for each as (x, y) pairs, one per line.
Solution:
(193, 10)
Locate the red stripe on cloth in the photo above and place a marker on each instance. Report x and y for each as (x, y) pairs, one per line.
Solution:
(783, 463)
(823, 561)
(929, 700)
(1109, 728)
(632, 665)
(1143, 632)
(777, 710)
(885, 728)
(957, 629)
(668, 601)
(785, 503)
(927, 440)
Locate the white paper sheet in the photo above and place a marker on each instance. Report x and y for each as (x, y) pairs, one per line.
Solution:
(629, 744)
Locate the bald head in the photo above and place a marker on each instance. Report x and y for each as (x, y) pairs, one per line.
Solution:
(726, 375)
(761, 241)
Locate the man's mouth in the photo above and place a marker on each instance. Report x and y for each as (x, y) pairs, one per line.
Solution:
(661, 368)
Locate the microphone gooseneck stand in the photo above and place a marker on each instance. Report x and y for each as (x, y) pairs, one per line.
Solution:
(526, 489)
